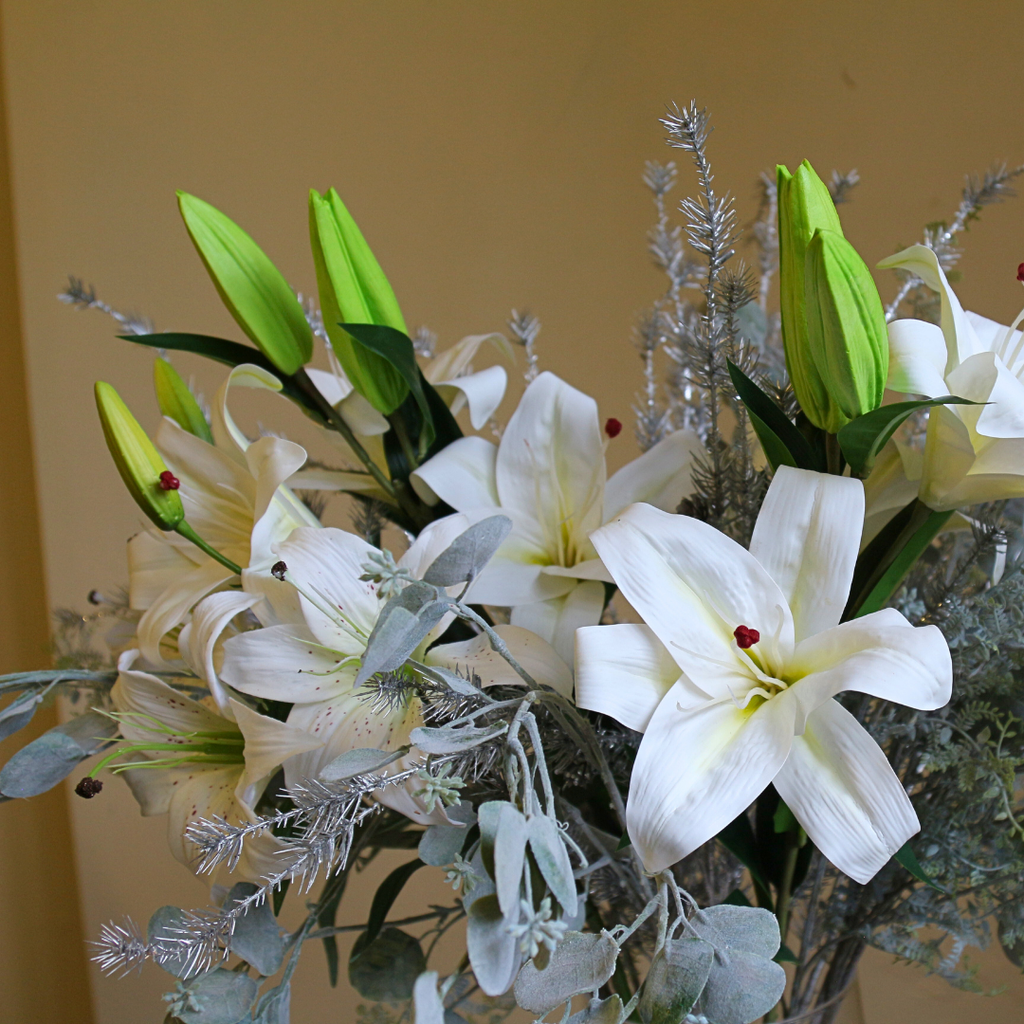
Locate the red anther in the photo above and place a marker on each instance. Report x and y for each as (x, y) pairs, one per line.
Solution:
(168, 481)
(746, 637)
(1020, 273)
(613, 427)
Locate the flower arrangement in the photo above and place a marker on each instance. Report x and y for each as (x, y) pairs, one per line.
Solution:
(684, 740)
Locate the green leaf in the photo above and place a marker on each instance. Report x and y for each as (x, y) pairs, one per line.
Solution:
(386, 969)
(386, 895)
(906, 857)
(909, 546)
(177, 402)
(251, 287)
(775, 451)
(864, 437)
(397, 351)
(230, 353)
(783, 819)
(774, 422)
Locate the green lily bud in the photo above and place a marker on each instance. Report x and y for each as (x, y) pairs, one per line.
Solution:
(177, 402)
(252, 288)
(846, 329)
(804, 206)
(149, 481)
(353, 289)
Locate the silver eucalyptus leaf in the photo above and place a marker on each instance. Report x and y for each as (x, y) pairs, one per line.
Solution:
(440, 843)
(582, 962)
(163, 932)
(274, 1006)
(217, 997)
(19, 713)
(676, 978)
(463, 559)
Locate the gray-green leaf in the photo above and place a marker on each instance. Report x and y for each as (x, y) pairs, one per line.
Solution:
(164, 930)
(745, 988)
(599, 1011)
(19, 713)
(463, 559)
(401, 627)
(275, 1006)
(52, 757)
(454, 739)
(387, 968)
(440, 843)
(222, 997)
(509, 858)
(359, 761)
(552, 858)
(493, 952)
(581, 962)
(257, 939)
(752, 929)
(676, 978)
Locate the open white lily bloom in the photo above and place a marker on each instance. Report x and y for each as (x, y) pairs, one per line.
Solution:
(197, 764)
(548, 476)
(312, 662)
(733, 676)
(234, 497)
(973, 453)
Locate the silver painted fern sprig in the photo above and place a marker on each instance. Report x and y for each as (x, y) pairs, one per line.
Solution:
(83, 296)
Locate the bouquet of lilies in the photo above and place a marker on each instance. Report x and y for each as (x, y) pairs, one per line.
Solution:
(683, 739)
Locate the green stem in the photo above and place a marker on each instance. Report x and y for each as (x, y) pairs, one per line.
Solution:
(188, 533)
(833, 454)
(398, 426)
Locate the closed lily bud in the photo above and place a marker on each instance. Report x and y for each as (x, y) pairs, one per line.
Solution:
(149, 481)
(252, 288)
(353, 289)
(846, 328)
(804, 206)
(177, 402)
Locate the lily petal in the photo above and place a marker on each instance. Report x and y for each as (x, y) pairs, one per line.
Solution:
(226, 434)
(623, 671)
(661, 477)
(454, 361)
(534, 653)
(268, 743)
(961, 341)
(997, 338)
(694, 586)
(204, 793)
(198, 639)
(324, 566)
(698, 769)
(462, 474)
(807, 535)
(842, 790)
(556, 621)
(917, 358)
(286, 663)
(550, 467)
(481, 391)
(881, 654)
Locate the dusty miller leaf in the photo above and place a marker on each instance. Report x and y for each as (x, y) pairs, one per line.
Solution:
(454, 739)
(493, 952)
(440, 843)
(359, 761)
(580, 963)
(509, 858)
(599, 1011)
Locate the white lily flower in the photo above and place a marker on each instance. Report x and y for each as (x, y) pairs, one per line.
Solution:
(197, 764)
(733, 676)
(235, 499)
(312, 662)
(548, 476)
(973, 453)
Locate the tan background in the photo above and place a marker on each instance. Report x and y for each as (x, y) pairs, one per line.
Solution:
(492, 154)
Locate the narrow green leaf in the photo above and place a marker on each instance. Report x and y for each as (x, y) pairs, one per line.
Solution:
(864, 437)
(906, 857)
(738, 838)
(775, 451)
(251, 287)
(386, 895)
(774, 419)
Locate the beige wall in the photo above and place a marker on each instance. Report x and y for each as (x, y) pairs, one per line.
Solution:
(492, 154)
